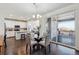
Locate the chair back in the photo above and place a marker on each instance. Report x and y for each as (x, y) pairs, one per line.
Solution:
(28, 43)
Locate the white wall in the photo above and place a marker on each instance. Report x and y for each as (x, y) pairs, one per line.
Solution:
(67, 15)
(42, 23)
(77, 28)
(2, 27)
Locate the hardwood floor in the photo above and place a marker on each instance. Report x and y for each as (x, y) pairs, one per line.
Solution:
(18, 47)
(15, 47)
(61, 50)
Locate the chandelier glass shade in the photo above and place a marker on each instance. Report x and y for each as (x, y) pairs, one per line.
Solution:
(36, 15)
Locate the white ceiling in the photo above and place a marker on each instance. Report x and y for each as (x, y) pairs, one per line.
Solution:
(27, 9)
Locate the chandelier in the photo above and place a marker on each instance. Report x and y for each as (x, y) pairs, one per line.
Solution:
(36, 15)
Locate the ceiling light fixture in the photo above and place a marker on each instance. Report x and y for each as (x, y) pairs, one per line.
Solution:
(36, 15)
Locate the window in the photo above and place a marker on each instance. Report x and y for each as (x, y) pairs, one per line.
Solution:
(67, 31)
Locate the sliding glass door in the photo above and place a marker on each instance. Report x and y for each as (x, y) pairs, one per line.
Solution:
(61, 29)
(66, 31)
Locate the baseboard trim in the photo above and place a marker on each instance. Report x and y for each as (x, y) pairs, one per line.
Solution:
(10, 37)
(63, 45)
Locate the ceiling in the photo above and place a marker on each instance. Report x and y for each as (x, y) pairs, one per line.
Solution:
(26, 10)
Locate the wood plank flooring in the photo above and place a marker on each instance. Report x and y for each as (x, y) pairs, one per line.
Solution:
(18, 47)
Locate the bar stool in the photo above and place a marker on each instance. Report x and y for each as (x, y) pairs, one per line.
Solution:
(22, 36)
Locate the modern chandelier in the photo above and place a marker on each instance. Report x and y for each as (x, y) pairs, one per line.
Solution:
(36, 15)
